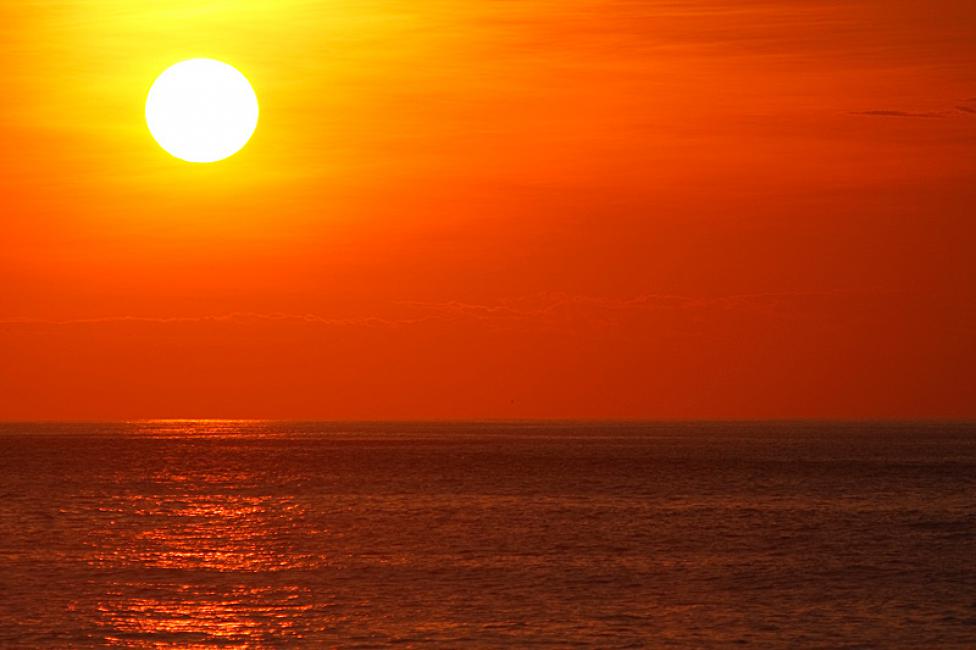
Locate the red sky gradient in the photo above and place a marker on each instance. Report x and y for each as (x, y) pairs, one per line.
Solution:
(549, 208)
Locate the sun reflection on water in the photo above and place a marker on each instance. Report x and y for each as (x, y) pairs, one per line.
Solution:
(210, 561)
(198, 617)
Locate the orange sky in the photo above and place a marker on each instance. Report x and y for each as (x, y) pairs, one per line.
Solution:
(544, 208)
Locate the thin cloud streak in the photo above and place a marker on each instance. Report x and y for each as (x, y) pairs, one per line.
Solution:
(525, 307)
(891, 113)
(645, 301)
(373, 321)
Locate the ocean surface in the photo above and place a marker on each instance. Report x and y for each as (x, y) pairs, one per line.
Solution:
(185, 534)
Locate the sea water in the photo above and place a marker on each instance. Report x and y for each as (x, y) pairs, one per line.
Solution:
(183, 534)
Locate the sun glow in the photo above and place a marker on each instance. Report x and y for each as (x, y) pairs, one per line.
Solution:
(201, 110)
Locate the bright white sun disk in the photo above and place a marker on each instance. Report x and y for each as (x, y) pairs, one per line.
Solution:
(201, 110)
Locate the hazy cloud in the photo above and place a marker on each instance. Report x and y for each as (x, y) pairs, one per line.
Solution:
(890, 113)
(540, 307)
(547, 309)
(234, 317)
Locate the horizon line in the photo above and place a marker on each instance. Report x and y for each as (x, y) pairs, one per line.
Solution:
(506, 420)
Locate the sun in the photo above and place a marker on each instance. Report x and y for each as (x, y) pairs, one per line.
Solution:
(201, 110)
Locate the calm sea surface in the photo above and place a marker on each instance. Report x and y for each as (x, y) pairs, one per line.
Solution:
(269, 534)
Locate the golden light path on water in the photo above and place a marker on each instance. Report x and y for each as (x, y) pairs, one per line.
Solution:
(208, 527)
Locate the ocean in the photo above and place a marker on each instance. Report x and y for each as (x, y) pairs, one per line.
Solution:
(199, 534)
